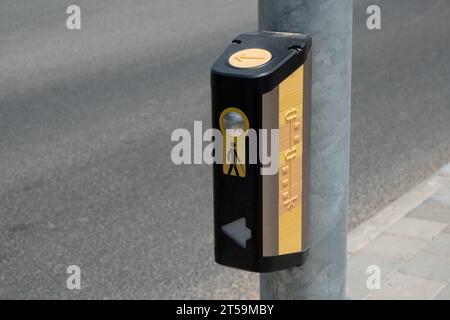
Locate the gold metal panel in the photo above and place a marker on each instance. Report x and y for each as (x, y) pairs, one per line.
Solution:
(290, 177)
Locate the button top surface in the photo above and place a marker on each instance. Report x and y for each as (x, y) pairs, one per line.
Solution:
(250, 58)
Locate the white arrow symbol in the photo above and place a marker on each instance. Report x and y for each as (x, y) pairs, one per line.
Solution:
(238, 231)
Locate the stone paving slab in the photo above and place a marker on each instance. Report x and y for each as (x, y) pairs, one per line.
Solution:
(406, 247)
(370, 229)
(429, 266)
(432, 210)
(416, 228)
(357, 276)
(444, 294)
(392, 247)
(406, 287)
(440, 245)
(443, 196)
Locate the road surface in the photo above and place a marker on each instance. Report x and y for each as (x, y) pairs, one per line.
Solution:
(85, 124)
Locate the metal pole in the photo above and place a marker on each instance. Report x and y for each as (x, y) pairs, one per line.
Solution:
(330, 24)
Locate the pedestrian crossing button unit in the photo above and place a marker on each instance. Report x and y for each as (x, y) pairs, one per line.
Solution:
(262, 81)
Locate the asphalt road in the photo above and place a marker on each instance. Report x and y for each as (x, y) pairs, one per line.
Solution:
(85, 124)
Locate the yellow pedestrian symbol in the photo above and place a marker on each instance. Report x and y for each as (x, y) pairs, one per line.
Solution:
(235, 167)
(234, 126)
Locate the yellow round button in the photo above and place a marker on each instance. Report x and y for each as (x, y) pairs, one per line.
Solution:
(250, 58)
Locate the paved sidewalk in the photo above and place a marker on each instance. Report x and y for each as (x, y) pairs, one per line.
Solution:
(408, 242)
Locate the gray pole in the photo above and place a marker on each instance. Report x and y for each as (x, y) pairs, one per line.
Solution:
(330, 24)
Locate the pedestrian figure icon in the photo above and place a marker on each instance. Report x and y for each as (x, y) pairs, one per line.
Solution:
(235, 167)
(234, 125)
(233, 159)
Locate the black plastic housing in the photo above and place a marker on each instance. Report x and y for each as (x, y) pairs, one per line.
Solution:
(244, 88)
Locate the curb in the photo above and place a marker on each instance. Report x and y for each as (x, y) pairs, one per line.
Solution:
(369, 230)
